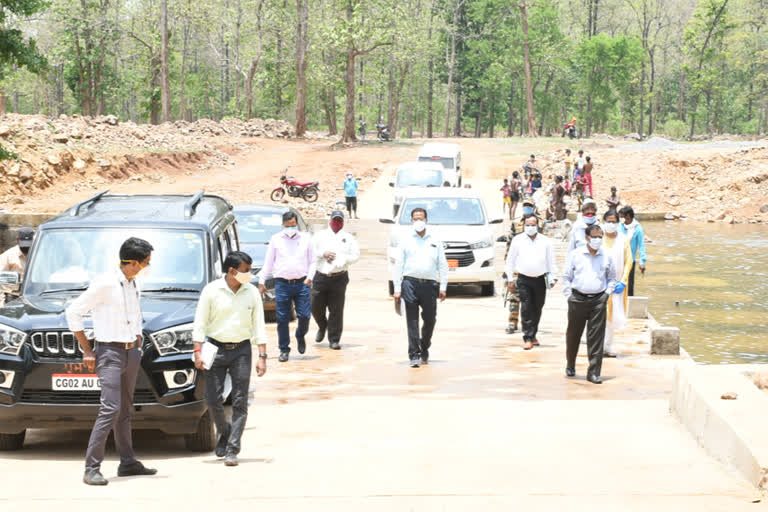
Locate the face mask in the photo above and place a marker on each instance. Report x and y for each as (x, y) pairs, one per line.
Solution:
(144, 271)
(595, 243)
(531, 230)
(290, 231)
(589, 220)
(242, 277)
(336, 225)
(527, 210)
(611, 227)
(419, 226)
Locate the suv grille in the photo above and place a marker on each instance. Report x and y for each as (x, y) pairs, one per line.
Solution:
(459, 251)
(45, 396)
(61, 344)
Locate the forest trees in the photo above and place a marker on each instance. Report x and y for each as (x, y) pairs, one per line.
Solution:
(423, 66)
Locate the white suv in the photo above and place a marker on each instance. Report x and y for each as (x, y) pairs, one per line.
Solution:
(459, 219)
(415, 174)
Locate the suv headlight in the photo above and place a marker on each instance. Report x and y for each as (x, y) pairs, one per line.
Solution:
(484, 244)
(175, 340)
(11, 340)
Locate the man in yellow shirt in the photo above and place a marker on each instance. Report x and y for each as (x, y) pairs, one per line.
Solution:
(230, 316)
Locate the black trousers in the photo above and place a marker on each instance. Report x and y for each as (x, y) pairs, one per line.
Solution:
(533, 293)
(237, 362)
(329, 293)
(351, 204)
(418, 294)
(631, 283)
(583, 309)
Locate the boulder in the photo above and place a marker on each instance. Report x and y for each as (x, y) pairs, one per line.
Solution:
(105, 164)
(764, 208)
(53, 160)
(26, 174)
(729, 220)
(5, 131)
(15, 170)
(61, 138)
(633, 136)
(76, 134)
(79, 165)
(669, 216)
(721, 216)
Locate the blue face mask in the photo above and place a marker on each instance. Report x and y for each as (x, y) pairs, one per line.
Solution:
(527, 210)
(589, 220)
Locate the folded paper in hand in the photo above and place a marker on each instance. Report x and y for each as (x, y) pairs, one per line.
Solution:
(207, 354)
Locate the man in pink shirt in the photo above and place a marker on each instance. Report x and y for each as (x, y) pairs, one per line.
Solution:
(290, 260)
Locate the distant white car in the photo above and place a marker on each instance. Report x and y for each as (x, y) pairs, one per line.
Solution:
(415, 175)
(448, 155)
(459, 219)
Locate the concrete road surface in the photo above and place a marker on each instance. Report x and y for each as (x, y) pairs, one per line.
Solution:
(486, 426)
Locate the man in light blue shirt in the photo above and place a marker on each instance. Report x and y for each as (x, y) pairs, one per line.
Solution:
(634, 231)
(350, 193)
(588, 281)
(420, 276)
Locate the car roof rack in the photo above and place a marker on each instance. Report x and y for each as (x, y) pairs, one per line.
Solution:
(75, 211)
(191, 205)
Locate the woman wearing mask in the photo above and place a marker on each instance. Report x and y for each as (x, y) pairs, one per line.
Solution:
(617, 246)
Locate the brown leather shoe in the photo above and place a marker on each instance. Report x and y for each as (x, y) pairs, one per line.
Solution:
(528, 345)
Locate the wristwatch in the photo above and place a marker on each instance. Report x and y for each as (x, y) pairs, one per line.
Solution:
(263, 356)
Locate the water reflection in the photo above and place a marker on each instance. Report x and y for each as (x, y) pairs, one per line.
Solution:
(710, 281)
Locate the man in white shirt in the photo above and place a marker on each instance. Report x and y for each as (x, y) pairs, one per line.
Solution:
(15, 258)
(588, 280)
(531, 258)
(113, 300)
(334, 251)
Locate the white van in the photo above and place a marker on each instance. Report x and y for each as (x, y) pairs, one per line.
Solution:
(449, 155)
(459, 219)
(415, 175)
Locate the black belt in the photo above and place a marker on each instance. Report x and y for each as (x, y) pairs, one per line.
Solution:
(118, 344)
(587, 295)
(336, 274)
(227, 346)
(529, 277)
(291, 281)
(418, 280)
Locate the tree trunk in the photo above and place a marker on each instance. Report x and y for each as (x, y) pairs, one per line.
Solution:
(349, 112)
(154, 103)
(642, 98)
(302, 42)
(165, 84)
(254, 62)
(527, 62)
(651, 88)
(451, 66)
(409, 126)
(430, 80)
(680, 86)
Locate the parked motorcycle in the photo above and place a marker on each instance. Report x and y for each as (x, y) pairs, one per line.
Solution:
(570, 130)
(289, 185)
(383, 132)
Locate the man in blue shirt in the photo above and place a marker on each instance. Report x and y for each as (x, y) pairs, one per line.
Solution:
(634, 232)
(420, 276)
(350, 192)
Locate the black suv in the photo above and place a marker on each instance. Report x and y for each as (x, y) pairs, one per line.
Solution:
(43, 383)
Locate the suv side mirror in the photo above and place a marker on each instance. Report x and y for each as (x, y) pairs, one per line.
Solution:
(387, 221)
(10, 278)
(496, 221)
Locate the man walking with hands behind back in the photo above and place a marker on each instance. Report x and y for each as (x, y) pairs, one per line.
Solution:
(588, 281)
(335, 250)
(531, 258)
(230, 315)
(420, 276)
(113, 300)
(291, 260)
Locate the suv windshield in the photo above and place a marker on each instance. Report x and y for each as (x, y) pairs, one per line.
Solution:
(447, 162)
(258, 228)
(464, 211)
(419, 178)
(69, 258)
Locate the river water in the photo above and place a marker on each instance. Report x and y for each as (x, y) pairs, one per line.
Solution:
(711, 281)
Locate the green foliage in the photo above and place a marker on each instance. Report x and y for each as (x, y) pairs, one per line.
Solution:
(675, 129)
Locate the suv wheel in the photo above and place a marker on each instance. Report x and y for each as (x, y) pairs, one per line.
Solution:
(204, 439)
(488, 290)
(9, 442)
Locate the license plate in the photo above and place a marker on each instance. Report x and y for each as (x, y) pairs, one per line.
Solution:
(453, 263)
(75, 382)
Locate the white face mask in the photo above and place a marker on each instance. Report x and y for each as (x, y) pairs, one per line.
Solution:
(595, 243)
(419, 226)
(242, 277)
(531, 230)
(144, 273)
(611, 227)
(291, 231)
